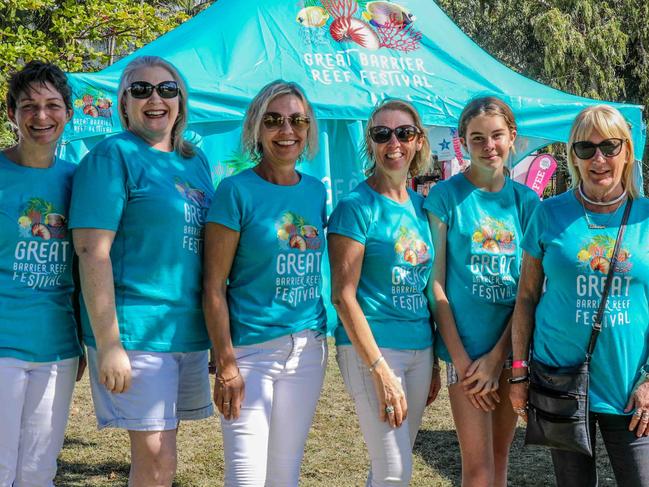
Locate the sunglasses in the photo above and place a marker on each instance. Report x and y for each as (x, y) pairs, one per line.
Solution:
(143, 89)
(274, 121)
(586, 149)
(404, 133)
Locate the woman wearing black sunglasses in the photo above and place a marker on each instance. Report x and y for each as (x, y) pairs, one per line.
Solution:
(568, 251)
(138, 209)
(381, 259)
(263, 306)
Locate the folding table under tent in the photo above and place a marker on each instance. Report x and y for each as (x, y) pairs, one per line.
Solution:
(347, 55)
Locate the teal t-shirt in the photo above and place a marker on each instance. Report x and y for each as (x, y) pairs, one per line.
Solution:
(575, 261)
(155, 202)
(397, 265)
(275, 284)
(36, 315)
(483, 256)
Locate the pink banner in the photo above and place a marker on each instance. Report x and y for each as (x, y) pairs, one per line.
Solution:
(540, 172)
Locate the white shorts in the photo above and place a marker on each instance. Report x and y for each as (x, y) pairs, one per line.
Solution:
(166, 387)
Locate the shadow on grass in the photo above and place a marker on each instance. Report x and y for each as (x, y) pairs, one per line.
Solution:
(78, 442)
(528, 466)
(77, 474)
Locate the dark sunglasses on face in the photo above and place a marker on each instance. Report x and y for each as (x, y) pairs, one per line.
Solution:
(144, 89)
(586, 149)
(274, 121)
(405, 133)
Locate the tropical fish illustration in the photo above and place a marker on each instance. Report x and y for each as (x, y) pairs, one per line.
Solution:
(597, 253)
(293, 231)
(39, 219)
(381, 14)
(493, 236)
(193, 195)
(410, 247)
(312, 17)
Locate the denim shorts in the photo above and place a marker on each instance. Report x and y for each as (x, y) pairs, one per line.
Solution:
(451, 372)
(166, 387)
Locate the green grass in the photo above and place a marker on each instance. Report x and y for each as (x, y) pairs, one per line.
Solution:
(335, 454)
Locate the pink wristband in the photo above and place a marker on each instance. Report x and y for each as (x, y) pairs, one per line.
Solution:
(519, 364)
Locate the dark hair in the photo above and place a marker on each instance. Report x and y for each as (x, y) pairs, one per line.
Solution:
(486, 105)
(38, 73)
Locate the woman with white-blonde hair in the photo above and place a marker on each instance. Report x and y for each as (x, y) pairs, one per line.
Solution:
(264, 248)
(568, 253)
(138, 208)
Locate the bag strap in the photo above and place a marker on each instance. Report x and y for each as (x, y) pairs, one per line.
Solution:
(597, 325)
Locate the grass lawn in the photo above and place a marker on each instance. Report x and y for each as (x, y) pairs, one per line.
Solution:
(335, 454)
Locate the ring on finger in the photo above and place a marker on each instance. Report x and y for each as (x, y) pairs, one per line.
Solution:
(519, 411)
(638, 412)
(389, 409)
(226, 403)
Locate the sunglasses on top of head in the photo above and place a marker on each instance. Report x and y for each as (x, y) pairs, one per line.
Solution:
(586, 149)
(405, 133)
(274, 121)
(143, 89)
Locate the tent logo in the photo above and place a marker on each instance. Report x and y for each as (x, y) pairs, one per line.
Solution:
(381, 24)
(93, 110)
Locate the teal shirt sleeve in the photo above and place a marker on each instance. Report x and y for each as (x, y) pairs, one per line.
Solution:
(533, 238)
(437, 202)
(350, 220)
(99, 205)
(226, 206)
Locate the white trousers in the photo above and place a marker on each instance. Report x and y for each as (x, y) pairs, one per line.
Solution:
(33, 416)
(283, 379)
(390, 449)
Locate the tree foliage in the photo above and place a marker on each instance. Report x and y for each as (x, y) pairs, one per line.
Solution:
(593, 48)
(79, 35)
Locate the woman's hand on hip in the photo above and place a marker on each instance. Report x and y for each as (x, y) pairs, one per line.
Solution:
(229, 391)
(639, 401)
(114, 368)
(392, 400)
(518, 397)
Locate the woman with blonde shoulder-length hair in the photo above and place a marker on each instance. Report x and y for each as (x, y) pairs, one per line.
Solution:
(138, 209)
(568, 254)
(381, 256)
(264, 247)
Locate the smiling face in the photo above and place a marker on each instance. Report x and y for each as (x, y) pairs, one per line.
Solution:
(602, 175)
(40, 115)
(488, 140)
(394, 155)
(283, 146)
(152, 118)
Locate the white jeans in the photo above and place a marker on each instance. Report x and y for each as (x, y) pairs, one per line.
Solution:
(390, 449)
(283, 378)
(33, 415)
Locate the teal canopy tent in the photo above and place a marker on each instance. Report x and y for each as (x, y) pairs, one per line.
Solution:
(347, 55)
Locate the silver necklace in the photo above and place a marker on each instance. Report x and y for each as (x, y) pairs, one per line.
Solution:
(600, 203)
(595, 226)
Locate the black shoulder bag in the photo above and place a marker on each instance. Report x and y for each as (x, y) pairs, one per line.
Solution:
(557, 415)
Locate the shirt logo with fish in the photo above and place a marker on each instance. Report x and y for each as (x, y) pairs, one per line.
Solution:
(39, 219)
(410, 248)
(192, 195)
(597, 252)
(493, 237)
(294, 232)
(381, 24)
